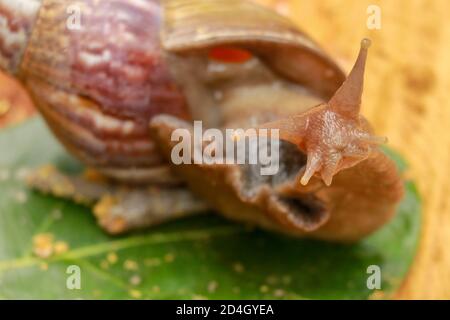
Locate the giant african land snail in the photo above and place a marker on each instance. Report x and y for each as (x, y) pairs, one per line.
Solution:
(135, 63)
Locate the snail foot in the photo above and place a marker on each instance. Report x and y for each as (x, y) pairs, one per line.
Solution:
(117, 207)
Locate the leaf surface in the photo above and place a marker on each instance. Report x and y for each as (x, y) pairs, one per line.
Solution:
(202, 257)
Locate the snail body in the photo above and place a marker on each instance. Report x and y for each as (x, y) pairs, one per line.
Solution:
(101, 85)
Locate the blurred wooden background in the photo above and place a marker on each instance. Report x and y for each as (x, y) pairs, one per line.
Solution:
(15, 105)
(406, 99)
(407, 84)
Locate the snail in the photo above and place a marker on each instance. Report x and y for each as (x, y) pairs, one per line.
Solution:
(114, 89)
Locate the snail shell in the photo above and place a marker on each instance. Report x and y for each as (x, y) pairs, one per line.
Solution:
(100, 83)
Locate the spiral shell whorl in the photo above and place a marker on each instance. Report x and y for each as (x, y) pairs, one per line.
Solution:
(17, 18)
(99, 85)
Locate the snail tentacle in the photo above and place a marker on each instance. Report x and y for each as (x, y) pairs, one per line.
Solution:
(332, 134)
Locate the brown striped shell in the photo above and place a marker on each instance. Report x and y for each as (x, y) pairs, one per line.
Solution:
(98, 86)
(16, 22)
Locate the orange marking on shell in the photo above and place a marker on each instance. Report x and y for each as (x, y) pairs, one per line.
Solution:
(229, 55)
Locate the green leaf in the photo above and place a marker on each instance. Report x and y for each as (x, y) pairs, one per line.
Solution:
(202, 257)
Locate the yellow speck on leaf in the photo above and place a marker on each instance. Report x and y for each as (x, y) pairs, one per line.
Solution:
(135, 294)
(238, 267)
(264, 288)
(43, 245)
(212, 286)
(278, 293)
(61, 247)
(112, 257)
(135, 280)
(130, 265)
(152, 262)
(272, 280)
(170, 257)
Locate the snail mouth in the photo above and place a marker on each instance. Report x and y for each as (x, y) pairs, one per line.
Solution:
(285, 201)
(303, 212)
